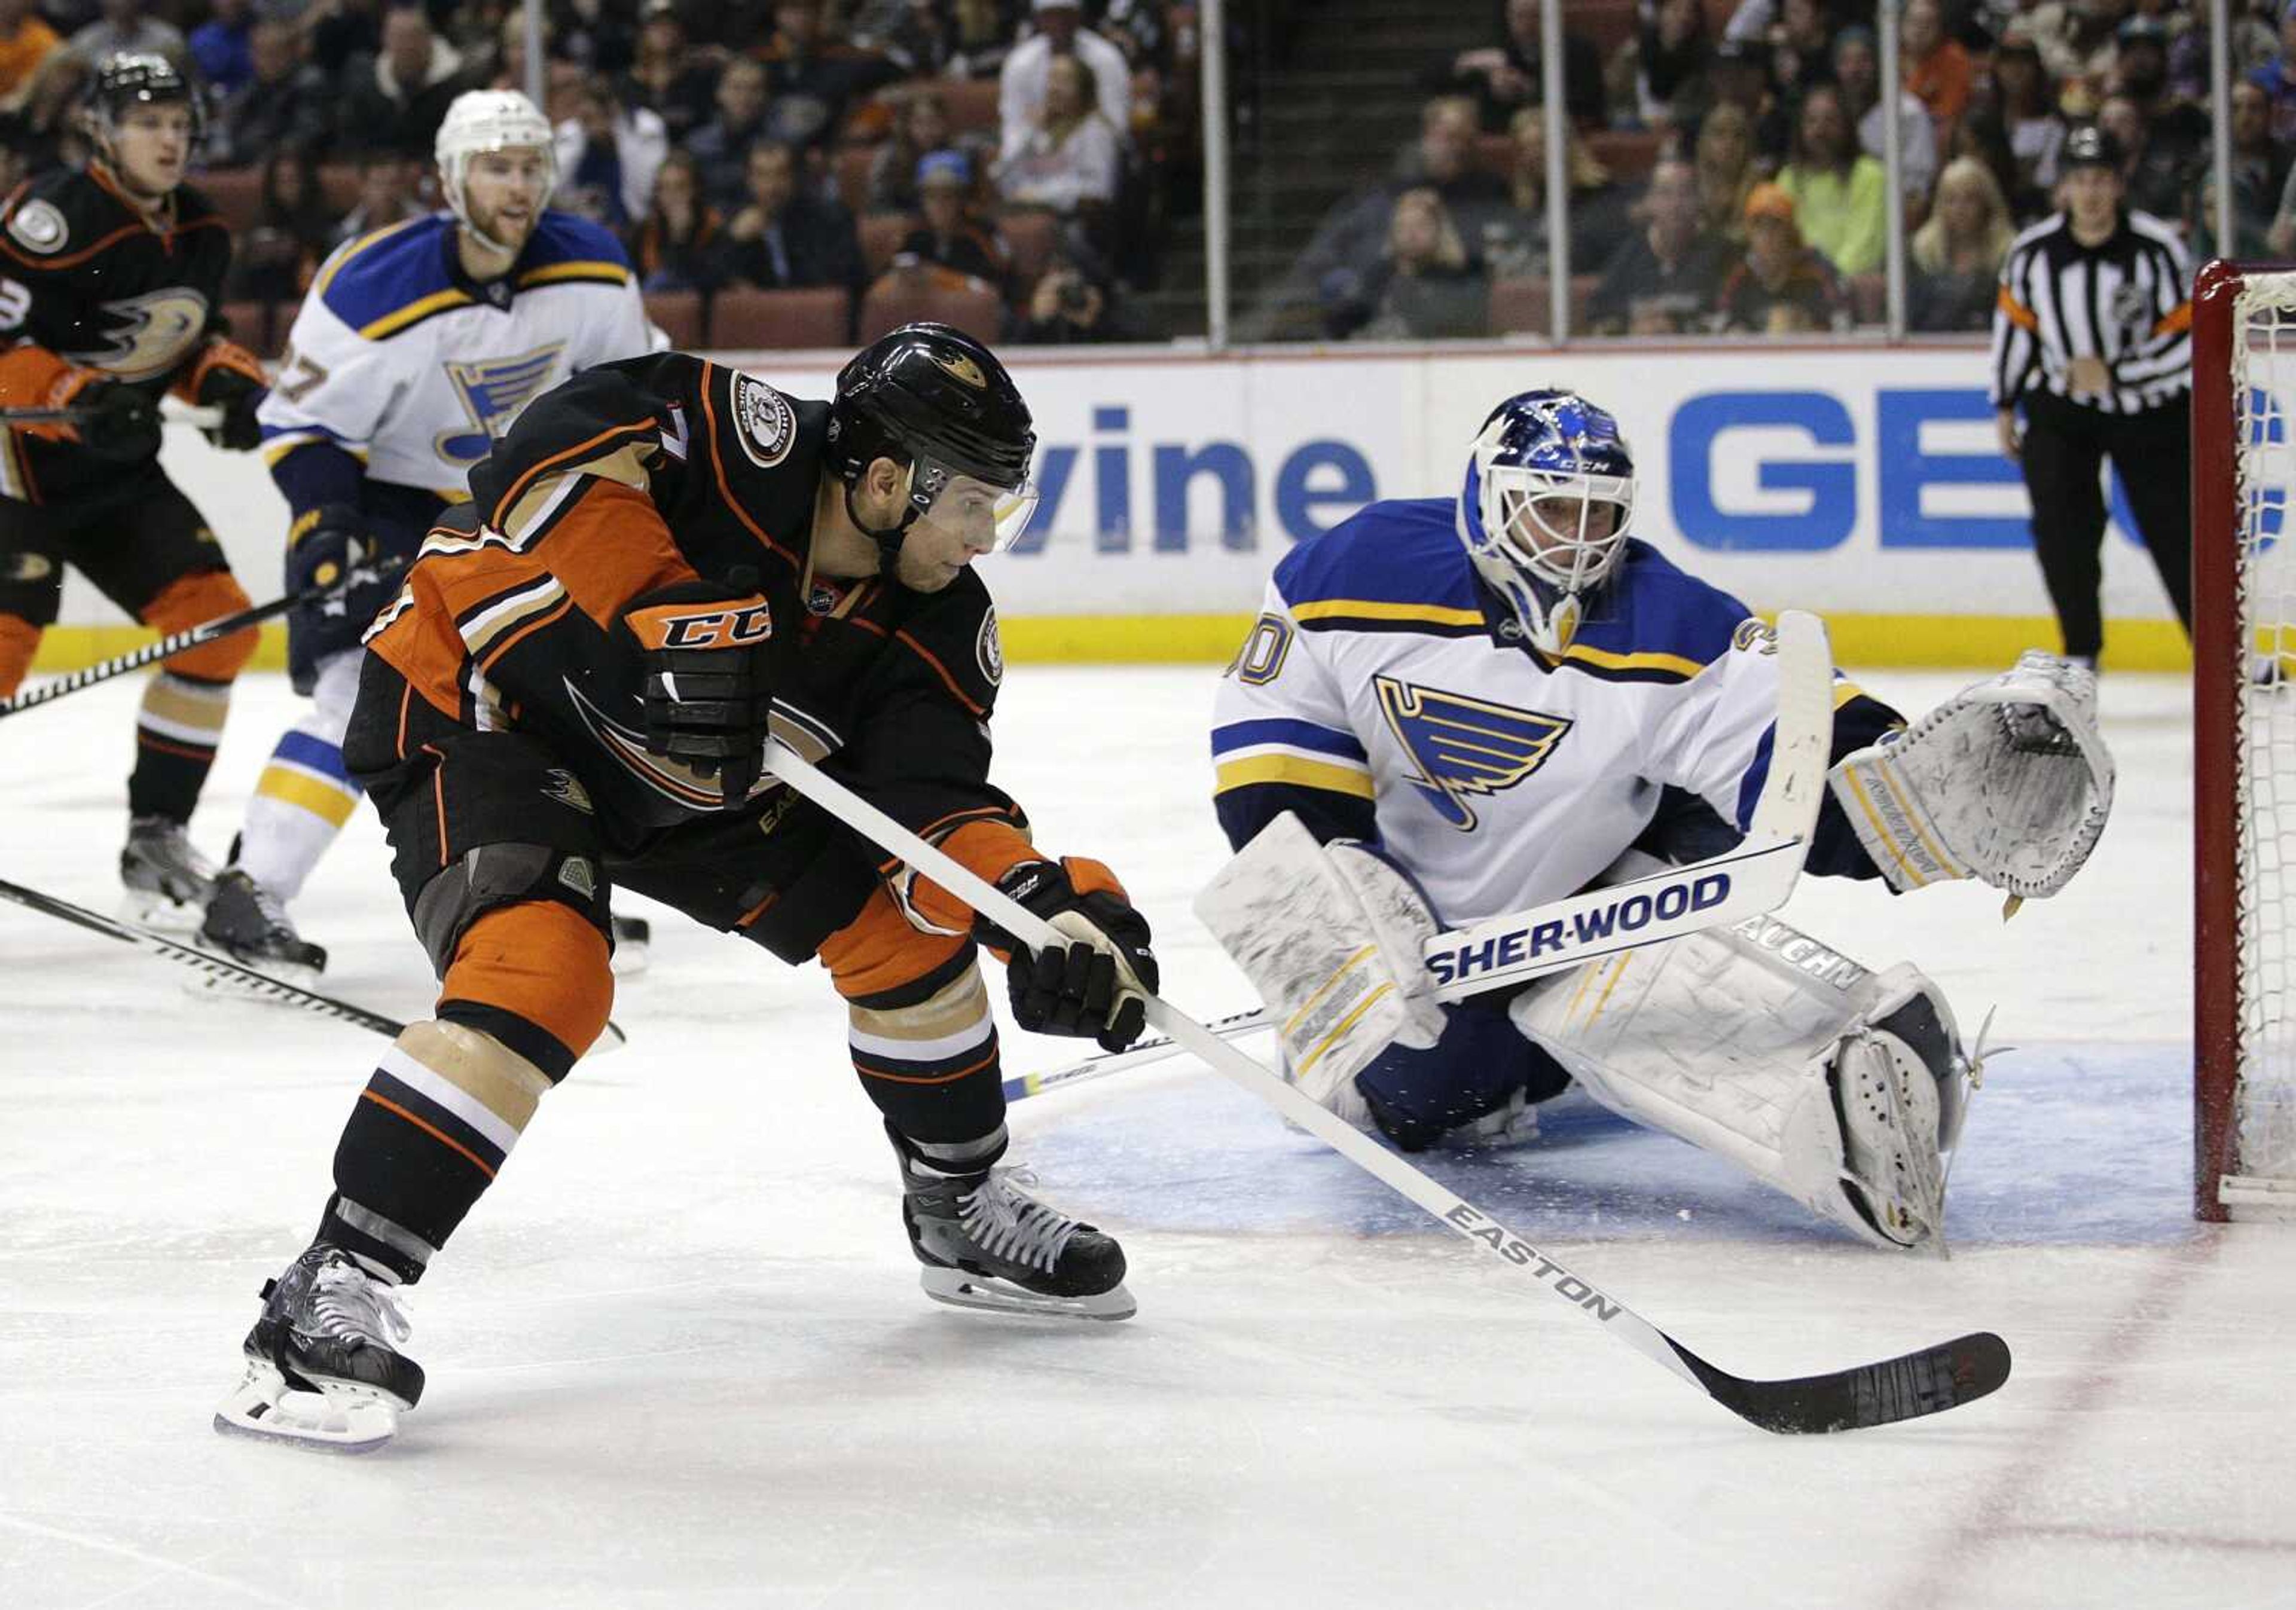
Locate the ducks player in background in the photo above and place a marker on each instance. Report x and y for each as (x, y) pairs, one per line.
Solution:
(416, 348)
(1480, 704)
(664, 562)
(111, 283)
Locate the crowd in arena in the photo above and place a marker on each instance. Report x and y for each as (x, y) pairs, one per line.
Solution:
(1727, 174)
(996, 163)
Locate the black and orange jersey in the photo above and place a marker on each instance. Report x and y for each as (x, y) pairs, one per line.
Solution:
(640, 473)
(88, 276)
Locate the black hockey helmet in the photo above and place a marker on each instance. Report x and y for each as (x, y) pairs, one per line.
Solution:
(127, 78)
(931, 398)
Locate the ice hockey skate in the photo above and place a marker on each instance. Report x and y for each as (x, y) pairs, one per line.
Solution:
(246, 923)
(324, 1370)
(986, 1243)
(169, 881)
(633, 945)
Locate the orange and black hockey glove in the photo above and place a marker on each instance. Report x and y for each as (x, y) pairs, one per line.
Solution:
(1094, 985)
(707, 682)
(114, 421)
(225, 375)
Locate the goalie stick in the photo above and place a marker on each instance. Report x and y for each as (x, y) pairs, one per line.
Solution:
(224, 969)
(1925, 1381)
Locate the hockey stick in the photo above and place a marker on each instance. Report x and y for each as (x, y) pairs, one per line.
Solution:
(204, 416)
(228, 970)
(1140, 1053)
(189, 637)
(1921, 1383)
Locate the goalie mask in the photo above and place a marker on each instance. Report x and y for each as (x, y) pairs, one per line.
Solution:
(1549, 491)
(482, 120)
(939, 404)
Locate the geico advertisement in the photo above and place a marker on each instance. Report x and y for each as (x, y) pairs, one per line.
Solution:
(1850, 479)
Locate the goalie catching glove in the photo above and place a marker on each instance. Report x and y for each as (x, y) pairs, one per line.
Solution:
(1098, 985)
(2009, 782)
(706, 681)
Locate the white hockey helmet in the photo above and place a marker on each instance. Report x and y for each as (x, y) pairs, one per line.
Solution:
(490, 119)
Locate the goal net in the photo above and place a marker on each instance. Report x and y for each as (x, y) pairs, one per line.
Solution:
(2244, 740)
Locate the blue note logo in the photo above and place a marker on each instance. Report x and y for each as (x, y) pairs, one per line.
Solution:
(492, 392)
(1465, 747)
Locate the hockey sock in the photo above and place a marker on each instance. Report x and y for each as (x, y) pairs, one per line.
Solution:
(176, 731)
(434, 1125)
(930, 1065)
(302, 802)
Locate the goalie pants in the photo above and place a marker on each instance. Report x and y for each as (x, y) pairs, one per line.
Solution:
(506, 871)
(1478, 1065)
(2066, 444)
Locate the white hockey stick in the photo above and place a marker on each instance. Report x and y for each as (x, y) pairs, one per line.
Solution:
(1925, 1381)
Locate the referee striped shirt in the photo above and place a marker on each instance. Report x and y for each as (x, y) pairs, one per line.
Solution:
(2128, 301)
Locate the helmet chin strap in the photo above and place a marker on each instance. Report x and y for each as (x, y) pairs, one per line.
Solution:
(888, 538)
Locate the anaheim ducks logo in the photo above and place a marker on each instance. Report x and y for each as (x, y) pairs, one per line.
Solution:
(964, 369)
(675, 780)
(150, 334)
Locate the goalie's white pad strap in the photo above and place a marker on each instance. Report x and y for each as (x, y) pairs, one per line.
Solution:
(1330, 937)
(1739, 1040)
(2008, 782)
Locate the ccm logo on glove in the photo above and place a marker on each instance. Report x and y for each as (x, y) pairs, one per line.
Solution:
(747, 621)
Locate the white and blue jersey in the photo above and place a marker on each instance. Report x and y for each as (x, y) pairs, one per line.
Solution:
(1386, 694)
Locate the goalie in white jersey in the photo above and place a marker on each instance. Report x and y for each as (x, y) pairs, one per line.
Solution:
(416, 350)
(1478, 705)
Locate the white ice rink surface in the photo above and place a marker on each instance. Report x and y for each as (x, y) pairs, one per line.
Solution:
(678, 1357)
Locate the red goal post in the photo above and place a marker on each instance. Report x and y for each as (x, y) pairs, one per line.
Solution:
(2244, 740)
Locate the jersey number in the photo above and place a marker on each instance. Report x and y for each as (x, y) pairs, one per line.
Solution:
(15, 302)
(1262, 657)
(298, 377)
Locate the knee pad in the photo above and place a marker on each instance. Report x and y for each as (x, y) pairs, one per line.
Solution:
(533, 976)
(192, 601)
(20, 639)
(496, 876)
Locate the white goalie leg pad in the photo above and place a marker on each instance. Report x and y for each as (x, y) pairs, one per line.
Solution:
(2008, 782)
(1332, 937)
(1841, 1087)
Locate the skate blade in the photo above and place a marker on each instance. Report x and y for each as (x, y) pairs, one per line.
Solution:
(961, 1289)
(337, 1420)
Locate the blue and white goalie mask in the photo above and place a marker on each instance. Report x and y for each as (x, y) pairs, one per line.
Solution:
(1550, 490)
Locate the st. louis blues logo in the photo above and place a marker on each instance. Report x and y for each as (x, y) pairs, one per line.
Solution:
(492, 393)
(1463, 746)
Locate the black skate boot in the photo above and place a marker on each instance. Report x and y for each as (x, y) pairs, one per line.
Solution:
(167, 877)
(323, 1368)
(633, 945)
(986, 1243)
(245, 923)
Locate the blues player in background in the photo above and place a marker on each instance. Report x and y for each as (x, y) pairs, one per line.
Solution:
(1510, 699)
(417, 347)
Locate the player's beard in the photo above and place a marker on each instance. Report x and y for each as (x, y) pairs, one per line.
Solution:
(489, 225)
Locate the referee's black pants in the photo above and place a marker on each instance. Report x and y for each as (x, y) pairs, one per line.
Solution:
(2066, 444)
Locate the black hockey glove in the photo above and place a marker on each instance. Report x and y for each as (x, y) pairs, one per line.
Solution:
(1094, 985)
(239, 397)
(707, 682)
(118, 423)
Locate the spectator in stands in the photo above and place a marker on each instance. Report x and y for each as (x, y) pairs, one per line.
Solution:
(1801, 47)
(810, 77)
(1021, 85)
(2029, 109)
(676, 247)
(390, 193)
(784, 239)
(2277, 80)
(221, 47)
(1671, 56)
(667, 78)
(1840, 195)
(287, 101)
(26, 41)
(339, 33)
(1956, 255)
(399, 98)
(919, 128)
(1506, 78)
(1072, 161)
(1723, 159)
(2176, 130)
(918, 36)
(950, 237)
(1983, 137)
(608, 155)
(1073, 303)
(2154, 179)
(1741, 77)
(122, 25)
(2259, 179)
(1782, 286)
(1663, 279)
(1512, 240)
(1936, 67)
(2076, 39)
(1857, 72)
(722, 145)
(294, 229)
(1427, 286)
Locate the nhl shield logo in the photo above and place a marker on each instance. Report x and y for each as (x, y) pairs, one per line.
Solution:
(764, 421)
(988, 648)
(38, 227)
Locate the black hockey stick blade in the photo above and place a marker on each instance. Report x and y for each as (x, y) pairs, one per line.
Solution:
(1904, 1388)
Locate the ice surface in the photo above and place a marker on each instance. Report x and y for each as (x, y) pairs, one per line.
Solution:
(679, 1358)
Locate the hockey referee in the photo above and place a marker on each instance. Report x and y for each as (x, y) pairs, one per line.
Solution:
(2092, 337)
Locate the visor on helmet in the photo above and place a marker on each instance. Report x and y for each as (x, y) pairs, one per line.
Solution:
(987, 516)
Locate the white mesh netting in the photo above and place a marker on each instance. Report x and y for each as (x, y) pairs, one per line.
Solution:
(2264, 405)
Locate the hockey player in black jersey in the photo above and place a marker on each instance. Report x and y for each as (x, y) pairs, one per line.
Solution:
(664, 562)
(111, 280)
